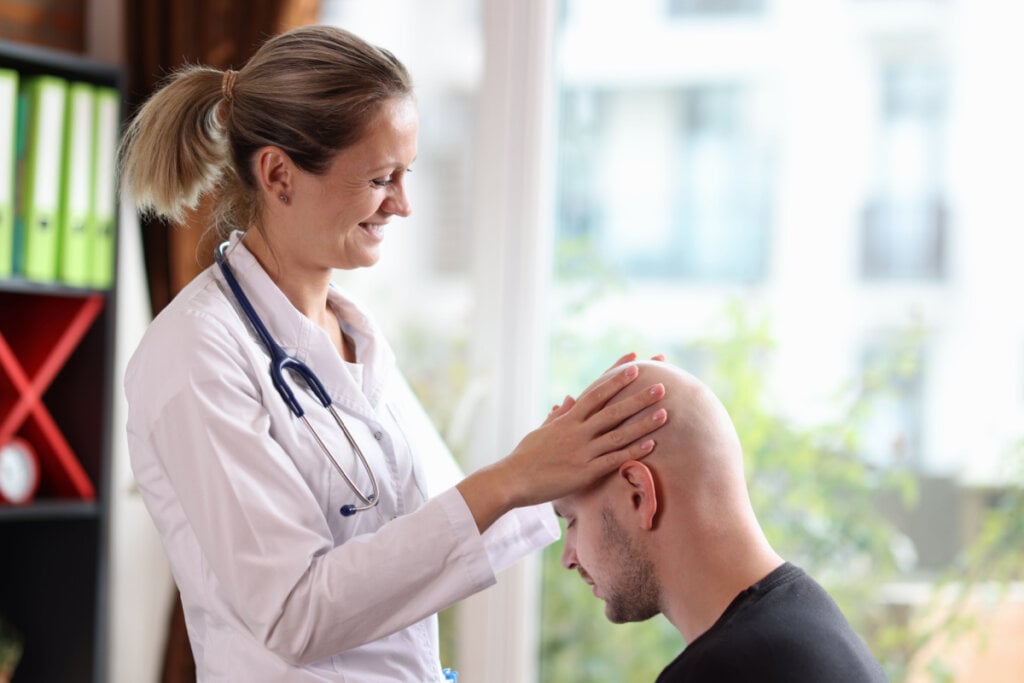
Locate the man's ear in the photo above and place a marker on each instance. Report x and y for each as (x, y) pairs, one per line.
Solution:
(643, 495)
(274, 171)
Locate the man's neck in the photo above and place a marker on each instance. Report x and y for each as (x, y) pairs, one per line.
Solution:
(703, 583)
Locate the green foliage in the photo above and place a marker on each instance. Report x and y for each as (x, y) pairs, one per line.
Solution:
(987, 565)
(11, 647)
(815, 497)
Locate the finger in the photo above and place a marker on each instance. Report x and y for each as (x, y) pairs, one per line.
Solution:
(609, 462)
(629, 432)
(558, 410)
(599, 393)
(628, 358)
(658, 357)
(611, 416)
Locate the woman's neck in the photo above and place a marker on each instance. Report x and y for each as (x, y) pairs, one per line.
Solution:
(305, 288)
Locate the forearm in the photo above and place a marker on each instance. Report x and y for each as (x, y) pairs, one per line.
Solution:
(374, 585)
(489, 494)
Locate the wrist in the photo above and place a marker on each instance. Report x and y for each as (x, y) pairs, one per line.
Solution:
(488, 494)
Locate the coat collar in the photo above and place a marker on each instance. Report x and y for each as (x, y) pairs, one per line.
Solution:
(299, 336)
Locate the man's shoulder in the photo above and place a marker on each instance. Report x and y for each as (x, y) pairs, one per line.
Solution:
(785, 628)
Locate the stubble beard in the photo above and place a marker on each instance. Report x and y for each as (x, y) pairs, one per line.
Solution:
(634, 595)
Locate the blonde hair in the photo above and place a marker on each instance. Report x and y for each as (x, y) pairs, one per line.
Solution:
(311, 92)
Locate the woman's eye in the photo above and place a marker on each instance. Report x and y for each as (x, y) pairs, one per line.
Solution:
(389, 180)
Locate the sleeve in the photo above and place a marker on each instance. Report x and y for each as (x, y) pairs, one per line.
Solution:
(517, 533)
(203, 437)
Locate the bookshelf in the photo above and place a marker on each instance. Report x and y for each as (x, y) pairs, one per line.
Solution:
(56, 388)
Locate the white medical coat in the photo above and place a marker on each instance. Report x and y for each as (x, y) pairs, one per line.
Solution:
(276, 584)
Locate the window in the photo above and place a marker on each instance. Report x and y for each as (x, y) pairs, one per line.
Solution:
(666, 183)
(906, 220)
(703, 7)
(892, 371)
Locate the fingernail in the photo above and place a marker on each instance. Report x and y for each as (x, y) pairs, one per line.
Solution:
(631, 371)
(647, 445)
(659, 415)
(654, 390)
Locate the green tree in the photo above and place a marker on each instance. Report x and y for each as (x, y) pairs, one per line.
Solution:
(815, 496)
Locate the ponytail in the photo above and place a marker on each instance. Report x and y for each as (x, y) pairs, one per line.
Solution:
(175, 149)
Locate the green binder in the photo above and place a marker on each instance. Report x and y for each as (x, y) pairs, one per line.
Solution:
(40, 150)
(8, 144)
(104, 202)
(76, 186)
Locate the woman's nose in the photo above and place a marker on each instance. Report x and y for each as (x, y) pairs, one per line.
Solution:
(397, 202)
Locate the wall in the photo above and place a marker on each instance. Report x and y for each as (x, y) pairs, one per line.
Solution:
(48, 23)
(141, 587)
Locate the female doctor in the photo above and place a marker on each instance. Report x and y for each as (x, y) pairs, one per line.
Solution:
(285, 461)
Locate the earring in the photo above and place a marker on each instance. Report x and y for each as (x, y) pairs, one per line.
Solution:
(283, 198)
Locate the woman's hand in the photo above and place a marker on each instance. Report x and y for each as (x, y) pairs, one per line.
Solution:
(579, 443)
(568, 401)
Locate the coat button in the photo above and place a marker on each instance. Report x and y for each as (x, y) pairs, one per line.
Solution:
(378, 435)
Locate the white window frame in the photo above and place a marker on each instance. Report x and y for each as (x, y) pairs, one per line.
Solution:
(513, 223)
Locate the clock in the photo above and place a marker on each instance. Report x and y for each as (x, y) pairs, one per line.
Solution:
(19, 472)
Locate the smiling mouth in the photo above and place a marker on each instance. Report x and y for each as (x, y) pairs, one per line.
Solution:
(375, 228)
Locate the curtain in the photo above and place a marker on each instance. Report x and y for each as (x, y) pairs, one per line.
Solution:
(163, 35)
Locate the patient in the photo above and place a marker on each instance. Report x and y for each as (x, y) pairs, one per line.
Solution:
(676, 534)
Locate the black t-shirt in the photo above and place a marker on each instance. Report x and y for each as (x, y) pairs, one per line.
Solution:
(784, 628)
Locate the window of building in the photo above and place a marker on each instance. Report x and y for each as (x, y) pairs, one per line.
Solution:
(669, 184)
(906, 221)
(704, 7)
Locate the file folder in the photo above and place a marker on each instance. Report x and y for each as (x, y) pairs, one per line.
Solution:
(104, 199)
(76, 186)
(41, 143)
(8, 144)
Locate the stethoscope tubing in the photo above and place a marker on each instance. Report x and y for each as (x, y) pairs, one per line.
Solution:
(281, 361)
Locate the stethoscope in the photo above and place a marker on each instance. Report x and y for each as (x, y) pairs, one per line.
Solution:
(281, 361)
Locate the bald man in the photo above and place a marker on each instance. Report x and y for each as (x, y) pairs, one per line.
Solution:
(675, 534)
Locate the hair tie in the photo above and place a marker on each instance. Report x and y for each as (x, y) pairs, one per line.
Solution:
(227, 84)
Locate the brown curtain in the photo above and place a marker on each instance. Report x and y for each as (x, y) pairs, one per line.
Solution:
(163, 35)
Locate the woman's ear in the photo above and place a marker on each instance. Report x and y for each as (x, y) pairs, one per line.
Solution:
(643, 497)
(274, 170)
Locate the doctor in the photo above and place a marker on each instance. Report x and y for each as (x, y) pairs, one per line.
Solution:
(315, 537)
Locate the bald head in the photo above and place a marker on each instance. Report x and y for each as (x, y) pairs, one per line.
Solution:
(698, 446)
(673, 532)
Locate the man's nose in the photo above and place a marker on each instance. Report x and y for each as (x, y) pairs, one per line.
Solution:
(569, 559)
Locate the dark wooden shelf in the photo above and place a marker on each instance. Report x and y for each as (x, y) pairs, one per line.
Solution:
(49, 510)
(19, 286)
(56, 385)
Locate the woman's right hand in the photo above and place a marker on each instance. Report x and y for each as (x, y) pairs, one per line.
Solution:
(568, 401)
(583, 442)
